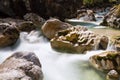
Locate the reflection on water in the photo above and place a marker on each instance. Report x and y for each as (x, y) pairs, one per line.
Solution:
(55, 65)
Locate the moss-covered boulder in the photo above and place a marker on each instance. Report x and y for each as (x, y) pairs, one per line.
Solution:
(78, 39)
(52, 26)
(9, 34)
(112, 19)
(106, 61)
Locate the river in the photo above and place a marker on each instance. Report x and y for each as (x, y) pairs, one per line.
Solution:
(56, 65)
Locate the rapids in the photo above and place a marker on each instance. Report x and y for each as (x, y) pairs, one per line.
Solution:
(55, 65)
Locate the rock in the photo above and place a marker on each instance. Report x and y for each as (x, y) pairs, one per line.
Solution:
(22, 25)
(90, 16)
(52, 26)
(112, 75)
(26, 26)
(86, 15)
(116, 42)
(8, 34)
(106, 61)
(21, 66)
(36, 19)
(112, 19)
(78, 39)
(45, 8)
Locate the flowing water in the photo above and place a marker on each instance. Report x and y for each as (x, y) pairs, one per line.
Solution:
(56, 65)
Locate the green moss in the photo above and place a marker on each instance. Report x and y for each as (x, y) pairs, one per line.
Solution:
(63, 32)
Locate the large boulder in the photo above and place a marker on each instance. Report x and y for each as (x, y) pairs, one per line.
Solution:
(106, 61)
(78, 39)
(21, 66)
(112, 19)
(52, 26)
(9, 34)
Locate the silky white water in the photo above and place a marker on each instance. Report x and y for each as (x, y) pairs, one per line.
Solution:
(55, 65)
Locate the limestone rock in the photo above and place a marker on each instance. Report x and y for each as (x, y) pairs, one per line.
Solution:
(9, 34)
(36, 19)
(112, 19)
(22, 25)
(112, 75)
(21, 66)
(106, 61)
(52, 26)
(78, 39)
(116, 42)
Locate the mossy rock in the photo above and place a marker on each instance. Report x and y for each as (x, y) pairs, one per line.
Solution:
(106, 61)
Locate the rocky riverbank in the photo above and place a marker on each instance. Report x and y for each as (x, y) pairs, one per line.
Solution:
(62, 36)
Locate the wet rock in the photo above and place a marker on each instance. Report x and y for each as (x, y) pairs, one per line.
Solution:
(21, 66)
(86, 15)
(116, 42)
(22, 25)
(9, 34)
(36, 19)
(26, 26)
(112, 75)
(52, 26)
(106, 61)
(78, 39)
(112, 19)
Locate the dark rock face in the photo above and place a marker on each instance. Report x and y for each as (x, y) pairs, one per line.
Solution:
(78, 39)
(112, 19)
(9, 34)
(45, 8)
(52, 26)
(21, 66)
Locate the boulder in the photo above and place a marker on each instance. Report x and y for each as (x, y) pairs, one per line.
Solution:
(36, 19)
(52, 26)
(78, 39)
(86, 15)
(21, 66)
(9, 34)
(112, 19)
(112, 75)
(106, 61)
(22, 25)
(116, 42)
